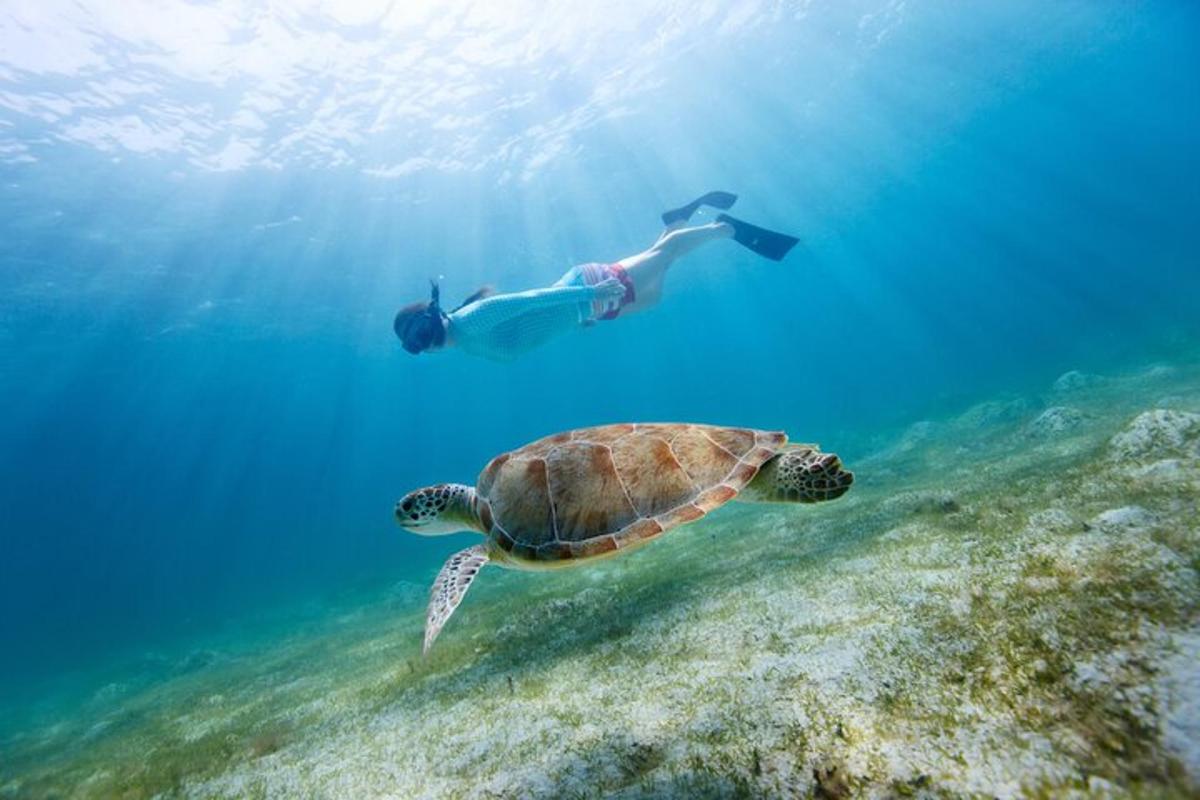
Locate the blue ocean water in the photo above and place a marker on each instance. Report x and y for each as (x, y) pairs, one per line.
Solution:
(211, 212)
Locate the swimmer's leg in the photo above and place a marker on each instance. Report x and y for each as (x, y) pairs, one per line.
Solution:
(677, 216)
(648, 268)
(675, 244)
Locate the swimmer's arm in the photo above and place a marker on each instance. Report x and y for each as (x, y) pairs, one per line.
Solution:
(503, 307)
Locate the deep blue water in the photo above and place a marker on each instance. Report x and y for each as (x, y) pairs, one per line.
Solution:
(206, 415)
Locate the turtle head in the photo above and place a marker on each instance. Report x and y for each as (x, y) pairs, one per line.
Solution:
(437, 510)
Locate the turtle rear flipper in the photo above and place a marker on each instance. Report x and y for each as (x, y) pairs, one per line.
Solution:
(450, 587)
(800, 474)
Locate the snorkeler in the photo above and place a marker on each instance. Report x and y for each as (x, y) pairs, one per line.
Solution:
(504, 326)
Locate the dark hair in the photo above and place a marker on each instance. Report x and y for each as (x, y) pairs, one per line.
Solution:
(417, 328)
(421, 325)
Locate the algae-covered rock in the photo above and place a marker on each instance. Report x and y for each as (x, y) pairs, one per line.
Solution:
(1074, 381)
(1168, 472)
(1055, 420)
(1126, 518)
(1180, 689)
(994, 413)
(1052, 520)
(1158, 372)
(1158, 434)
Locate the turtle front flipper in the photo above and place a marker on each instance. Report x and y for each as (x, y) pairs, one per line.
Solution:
(450, 587)
(800, 474)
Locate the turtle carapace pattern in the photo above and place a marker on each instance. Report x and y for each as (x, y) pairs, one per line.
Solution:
(595, 492)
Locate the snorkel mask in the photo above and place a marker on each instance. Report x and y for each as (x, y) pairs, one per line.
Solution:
(426, 328)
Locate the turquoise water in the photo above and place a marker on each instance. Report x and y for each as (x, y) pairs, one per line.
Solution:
(209, 214)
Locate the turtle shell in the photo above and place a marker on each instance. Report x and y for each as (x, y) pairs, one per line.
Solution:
(592, 491)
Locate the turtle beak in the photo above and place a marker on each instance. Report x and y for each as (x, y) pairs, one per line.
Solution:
(424, 512)
(407, 512)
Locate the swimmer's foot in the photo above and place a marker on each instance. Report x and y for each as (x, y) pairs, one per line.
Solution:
(721, 200)
(767, 244)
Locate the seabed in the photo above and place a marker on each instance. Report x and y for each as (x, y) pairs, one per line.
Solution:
(1007, 604)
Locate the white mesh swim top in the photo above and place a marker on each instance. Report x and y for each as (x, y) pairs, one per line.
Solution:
(507, 325)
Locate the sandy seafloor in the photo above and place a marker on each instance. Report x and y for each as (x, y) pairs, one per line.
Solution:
(1007, 604)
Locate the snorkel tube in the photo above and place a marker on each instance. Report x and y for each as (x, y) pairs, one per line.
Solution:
(422, 325)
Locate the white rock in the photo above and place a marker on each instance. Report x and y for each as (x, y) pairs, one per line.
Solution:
(1167, 472)
(1098, 787)
(1158, 371)
(1075, 380)
(1158, 432)
(1181, 726)
(997, 412)
(1124, 519)
(1054, 420)
(1054, 520)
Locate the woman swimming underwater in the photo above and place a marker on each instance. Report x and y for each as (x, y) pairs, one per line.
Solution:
(504, 326)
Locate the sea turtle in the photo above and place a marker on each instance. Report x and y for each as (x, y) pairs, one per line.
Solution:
(594, 492)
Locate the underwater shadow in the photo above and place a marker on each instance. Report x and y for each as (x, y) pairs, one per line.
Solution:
(516, 633)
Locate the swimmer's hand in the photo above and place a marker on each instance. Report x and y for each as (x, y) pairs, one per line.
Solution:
(608, 289)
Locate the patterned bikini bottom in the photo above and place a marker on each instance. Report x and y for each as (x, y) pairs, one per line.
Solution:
(592, 274)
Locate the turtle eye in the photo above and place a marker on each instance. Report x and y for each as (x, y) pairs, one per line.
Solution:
(406, 505)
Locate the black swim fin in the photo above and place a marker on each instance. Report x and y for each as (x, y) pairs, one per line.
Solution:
(767, 244)
(721, 200)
